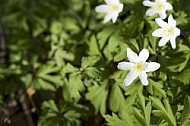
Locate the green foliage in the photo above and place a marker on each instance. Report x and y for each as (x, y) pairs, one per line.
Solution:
(117, 100)
(114, 120)
(62, 114)
(143, 116)
(164, 111)
(97, 95)
(185, 114)
(68, 57)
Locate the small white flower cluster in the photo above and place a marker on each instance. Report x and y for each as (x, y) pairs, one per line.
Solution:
(168, 32)
(137, 66)
(113, 8)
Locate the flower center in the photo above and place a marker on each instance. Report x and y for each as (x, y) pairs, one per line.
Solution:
(113, 7)
(169, 31)
(159, 6)
(138, 67)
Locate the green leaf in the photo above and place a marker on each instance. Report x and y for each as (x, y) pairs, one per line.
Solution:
(186, 123)
(148, 111)
(113, 42)
(143, 112)
(93, 72)
(114, 120)
(164, 111)
(104, 35)
(139, 117)
(89, 61)
(75, 86)
(69, 68)
(127, 116)
(93, 48)
(184, 76)
(97, 95)
(56, 27)
(57, 80)
(177, 65)
(156, 88)
(45, 85)
(50, 105)
(117, 100)
(186, 112)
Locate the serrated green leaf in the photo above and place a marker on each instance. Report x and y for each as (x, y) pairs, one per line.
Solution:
(50, 105)
(184, 76)
(89, 61)
(93, 72)
(113, 42)
(75, 86)
(127, 117)
(186, 112)
(141, 114)
(45, 85)
(155, 88)
(47, 69)
(164, 111)
(117, 100)
(148, 110)
(182, 48)
(177, 65)
(139, 117)
(97, 95)
(186, 123)
(169, 111)
(93, 46)
(69, 68)
(57, 80)
(104, 35)
(114, 120)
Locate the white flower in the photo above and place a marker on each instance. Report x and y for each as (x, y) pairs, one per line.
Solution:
(158, 7)
(113, 8)
(137, 66)
(168, 31)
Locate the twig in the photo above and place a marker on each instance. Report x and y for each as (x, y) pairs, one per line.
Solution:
(23, 101)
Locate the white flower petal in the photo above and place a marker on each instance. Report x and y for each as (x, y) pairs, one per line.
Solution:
(163, 41)
(120, 7)
(143, 55)
(108, 17)
(162, 14)
(150, 12)
(158, 32)
(112, 1)
(152, 66)
(171, 21)
(148, 3)
(163, 1)
(114, 17)
(161, 23)
(177, 32)
(130, 77)
(102, 9)
(173, 42)
(132, 56)
(168, 6)
(143, 78)
(158, 7)
(125, 66)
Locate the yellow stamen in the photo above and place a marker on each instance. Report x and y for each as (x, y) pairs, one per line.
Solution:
(138, 67)
(113, 7)
(159, 5)
(169, 31)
